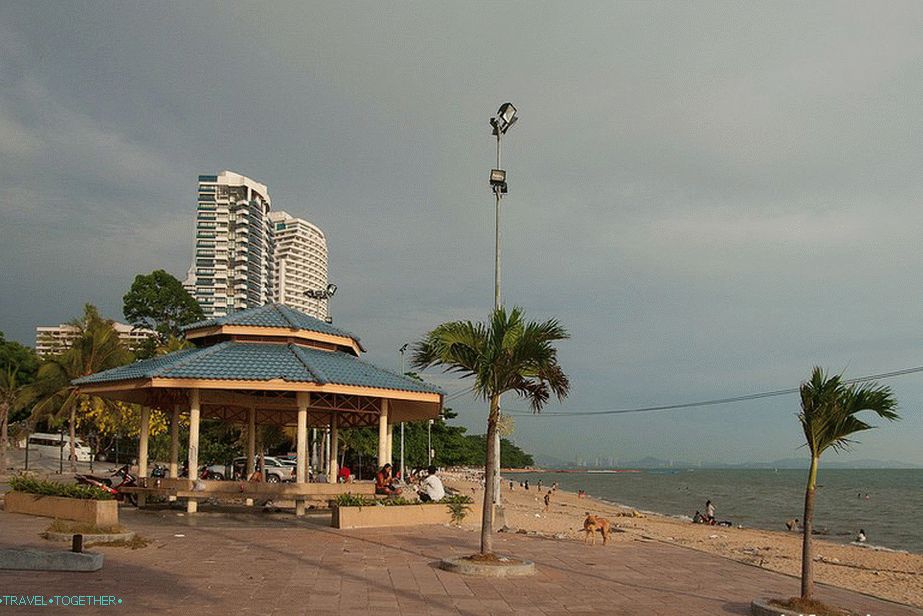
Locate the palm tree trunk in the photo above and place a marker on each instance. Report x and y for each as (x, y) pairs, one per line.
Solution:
(807, 560)
(4, 435)
(72, 457)
(490, 478)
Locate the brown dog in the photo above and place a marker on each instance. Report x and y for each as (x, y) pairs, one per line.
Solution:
(595, 523)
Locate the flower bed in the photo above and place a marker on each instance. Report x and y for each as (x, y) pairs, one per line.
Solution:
(63, 501)
(357, 511)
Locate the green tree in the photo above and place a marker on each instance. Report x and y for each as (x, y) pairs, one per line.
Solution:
(22, 358)
(14, 394)
(828, 418)
(159, 302)
(503, 355)
(96, 347)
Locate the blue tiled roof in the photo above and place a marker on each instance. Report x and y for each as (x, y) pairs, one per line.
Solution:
(262, 362)
(273, 315)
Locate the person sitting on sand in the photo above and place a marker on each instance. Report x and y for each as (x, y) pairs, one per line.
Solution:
(384, 483)
(698, 518)
(793, 524)
(861, 538)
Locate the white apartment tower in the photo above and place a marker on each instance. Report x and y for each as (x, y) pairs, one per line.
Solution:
(247, 256)
(300, 263)
(233, 265)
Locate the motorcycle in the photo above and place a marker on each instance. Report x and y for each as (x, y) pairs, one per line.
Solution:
(105, 484)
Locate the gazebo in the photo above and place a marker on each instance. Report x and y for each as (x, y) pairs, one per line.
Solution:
(268, 365)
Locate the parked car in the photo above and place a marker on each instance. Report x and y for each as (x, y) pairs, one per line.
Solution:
(50, 445)
(276, 470)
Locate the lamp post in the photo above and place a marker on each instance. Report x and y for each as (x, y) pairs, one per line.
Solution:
(325, 294)
(429, 443)
(403, 476)
(505, 118)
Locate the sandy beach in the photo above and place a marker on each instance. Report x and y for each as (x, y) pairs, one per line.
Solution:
(897, 576)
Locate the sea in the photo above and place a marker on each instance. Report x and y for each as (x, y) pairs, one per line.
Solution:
(886, 504)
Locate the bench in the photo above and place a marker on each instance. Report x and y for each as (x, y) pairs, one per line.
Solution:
(314, 493)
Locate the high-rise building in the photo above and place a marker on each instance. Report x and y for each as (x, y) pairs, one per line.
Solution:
(300, 260)
(233, 265)
(51, 339)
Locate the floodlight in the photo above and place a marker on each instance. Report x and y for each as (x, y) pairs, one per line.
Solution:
(506, 117)
(331, 289)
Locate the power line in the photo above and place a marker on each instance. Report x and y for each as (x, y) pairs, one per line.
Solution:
(701, 403)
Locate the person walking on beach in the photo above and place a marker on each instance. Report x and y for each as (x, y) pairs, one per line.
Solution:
(547, 501)
(709, 512)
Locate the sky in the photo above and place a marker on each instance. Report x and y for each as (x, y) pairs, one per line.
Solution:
(712, 197)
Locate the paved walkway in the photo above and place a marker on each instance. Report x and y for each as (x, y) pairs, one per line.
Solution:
(253, 564)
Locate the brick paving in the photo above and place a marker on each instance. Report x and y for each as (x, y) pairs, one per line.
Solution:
(276, 565)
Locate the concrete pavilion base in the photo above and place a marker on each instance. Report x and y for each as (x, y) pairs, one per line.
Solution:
(44, 560)
(496, 570)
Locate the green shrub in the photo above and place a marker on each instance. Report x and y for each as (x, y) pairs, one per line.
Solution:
(459, 505)
(53, 488)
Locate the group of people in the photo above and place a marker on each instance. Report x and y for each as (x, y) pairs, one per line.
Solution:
(708, 518)
(429, 488)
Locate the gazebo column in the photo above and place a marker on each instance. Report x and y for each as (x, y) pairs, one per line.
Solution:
(302, 399)
(251, 441)
(194, 409)
(251, 448)
(332, 465)
(142, 447)
(390, 456)
(174, 443)
(174, 447)
(383, 434)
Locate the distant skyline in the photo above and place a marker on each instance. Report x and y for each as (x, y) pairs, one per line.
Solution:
(712, 198)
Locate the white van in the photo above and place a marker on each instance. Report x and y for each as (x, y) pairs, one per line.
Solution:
(49, 445)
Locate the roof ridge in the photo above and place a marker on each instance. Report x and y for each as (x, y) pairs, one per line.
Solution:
(285, 315)
(298, 350)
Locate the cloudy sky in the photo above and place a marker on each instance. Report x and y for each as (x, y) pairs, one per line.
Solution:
(712, 197)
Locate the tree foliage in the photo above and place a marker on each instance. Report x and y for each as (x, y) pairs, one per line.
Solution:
(96, 347)
(159, 302)
(828, 418)
(18, 357)
(505, 354)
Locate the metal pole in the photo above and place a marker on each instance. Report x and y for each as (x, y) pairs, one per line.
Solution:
(429, 442)
(61, 454)
(497, 238)
(403, 476)
(27, 451)
(497, 304)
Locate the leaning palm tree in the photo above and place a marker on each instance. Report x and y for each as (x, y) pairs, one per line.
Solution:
(828, 418)
(14, 394)
(96, 347)
(504, 354)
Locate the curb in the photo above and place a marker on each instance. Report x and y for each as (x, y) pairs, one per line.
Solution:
(43, 560)
(88, 539)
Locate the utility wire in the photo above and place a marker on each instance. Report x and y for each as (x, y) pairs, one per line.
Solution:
(688, 405)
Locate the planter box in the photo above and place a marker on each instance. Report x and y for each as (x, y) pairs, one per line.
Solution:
(375, 516)
(99, 512)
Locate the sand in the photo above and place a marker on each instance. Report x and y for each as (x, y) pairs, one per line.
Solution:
(897, 576)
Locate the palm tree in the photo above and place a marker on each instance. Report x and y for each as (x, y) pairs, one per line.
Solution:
(13, 395)
(96, 347)
(828, 418)
(504, 354)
